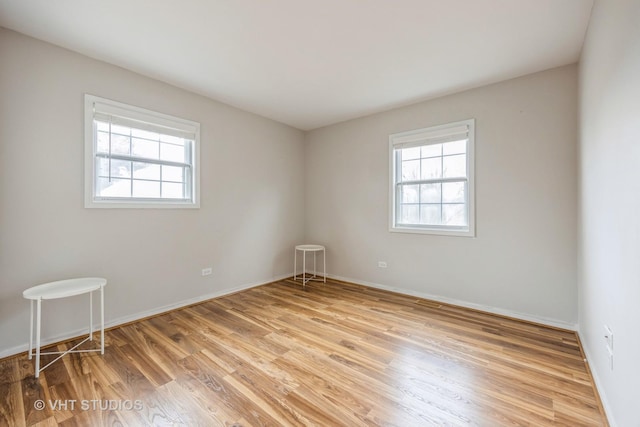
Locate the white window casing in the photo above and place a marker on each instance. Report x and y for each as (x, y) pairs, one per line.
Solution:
(431, 176)
(137, 158)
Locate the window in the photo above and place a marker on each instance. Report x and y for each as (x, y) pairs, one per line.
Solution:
(431, 185)
(139, 158)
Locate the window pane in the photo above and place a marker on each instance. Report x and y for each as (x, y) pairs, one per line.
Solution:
(454, 166)
(172, 153)
(409, 214)
(102, 167)
(433, 150)
(430, 214)
(103, 142)
(171, 190)
(114, 188)
(409, 193)
(455, 214)
(410, 153)
(120, 168)
(453, 192)
(120, 144)
(146, 189)
(146, 171)
(430, 193)
(145, 148)
(455, 147)
(432, 168)
(172, 173)
(411, 170)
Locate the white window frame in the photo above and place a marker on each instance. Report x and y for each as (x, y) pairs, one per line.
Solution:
(94, 105)
(427, 136)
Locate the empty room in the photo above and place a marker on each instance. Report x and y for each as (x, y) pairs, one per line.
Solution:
(319, 213)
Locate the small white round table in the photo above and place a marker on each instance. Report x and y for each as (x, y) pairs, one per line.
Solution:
(63, 289)
(304, 249)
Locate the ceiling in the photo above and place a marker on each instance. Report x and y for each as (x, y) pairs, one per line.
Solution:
(314, 63)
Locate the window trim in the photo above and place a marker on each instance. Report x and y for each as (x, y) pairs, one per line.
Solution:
(432, 134)
(159, 120)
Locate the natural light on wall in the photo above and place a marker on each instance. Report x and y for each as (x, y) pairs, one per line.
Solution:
(431, 185)
(138, 158)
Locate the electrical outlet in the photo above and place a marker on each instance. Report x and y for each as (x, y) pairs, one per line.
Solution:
(382, 264)
(207, 271)
(608, 336)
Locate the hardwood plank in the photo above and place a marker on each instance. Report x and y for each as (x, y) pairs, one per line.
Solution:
(185, 409)
(130, 377)
(320, 391)
(148, 365)
(34, 391)
(47, 422)
(12, 411)
(230, 403)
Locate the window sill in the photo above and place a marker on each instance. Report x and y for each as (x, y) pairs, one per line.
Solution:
(461, 232)
(138, 204)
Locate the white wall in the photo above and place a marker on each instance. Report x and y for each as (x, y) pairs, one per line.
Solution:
(523, 260)
(609, 207)
(252, 196)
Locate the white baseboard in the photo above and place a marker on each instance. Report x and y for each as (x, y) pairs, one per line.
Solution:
(598, 383)
(503, 312)
(137, 316)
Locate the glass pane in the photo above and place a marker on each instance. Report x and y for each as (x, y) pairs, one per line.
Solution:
(454, 166)
(430, 214)
(411, 170)
(409, 193)
(102, 126)
(120, 144)
(102, 142)
(411, 153)
(453, 192)
(434, 150)
(430, 193)
(172, 153)
(102, 167)
(432, 168)
(455, 147)
(145, 134)
(120, 168)
(172, 173)
(145, 148)
(409, 214)
(146, 171)
(454, 214)
(114, 188)
(146, 189)
(171, 190)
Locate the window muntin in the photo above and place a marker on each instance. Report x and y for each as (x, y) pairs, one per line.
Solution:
(432, 180)
(138, 158)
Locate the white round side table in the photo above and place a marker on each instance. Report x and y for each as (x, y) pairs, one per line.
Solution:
(64, 289)
(304, 249)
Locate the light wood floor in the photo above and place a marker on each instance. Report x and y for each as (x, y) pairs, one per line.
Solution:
(334, 355)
